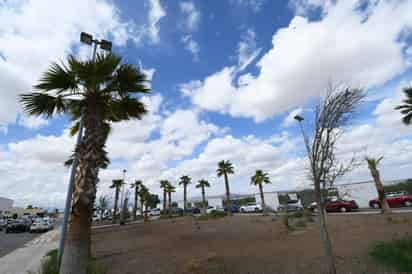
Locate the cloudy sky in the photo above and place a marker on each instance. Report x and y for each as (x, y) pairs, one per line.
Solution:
(227, 78)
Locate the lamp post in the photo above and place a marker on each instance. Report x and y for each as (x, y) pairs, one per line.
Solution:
(122, 198)
(105, 45)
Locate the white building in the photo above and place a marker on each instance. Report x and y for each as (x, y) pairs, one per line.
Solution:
(5, 204)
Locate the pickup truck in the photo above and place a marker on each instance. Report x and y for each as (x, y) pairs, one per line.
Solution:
(394, 199)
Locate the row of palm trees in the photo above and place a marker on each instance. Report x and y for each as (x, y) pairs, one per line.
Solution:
(224, 169)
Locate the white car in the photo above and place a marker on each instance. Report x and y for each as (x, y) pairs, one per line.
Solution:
(251, 207)
(39, 225)
(96, 218)
(154, 212)
(212, 209)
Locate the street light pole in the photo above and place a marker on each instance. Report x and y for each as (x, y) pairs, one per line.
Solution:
(122, 198)
(106, 45)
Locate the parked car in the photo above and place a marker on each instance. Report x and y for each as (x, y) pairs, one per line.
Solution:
(290, 207)
(337, 205)
(175, 211)
(251, 207)
(212, 209)
(40, 225)
(154, 212)
(395, 199)
(17, 225)
(196, 210)
(235, 209)
(96, 218)
(2, 224)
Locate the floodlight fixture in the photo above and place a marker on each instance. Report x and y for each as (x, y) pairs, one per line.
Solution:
(86, 38)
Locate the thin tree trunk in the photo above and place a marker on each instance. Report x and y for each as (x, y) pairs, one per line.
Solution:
(136, 193)
(141, 207)
(145, 214)
(385, 209)
(184, 199)
(262, 199)
(327, 244)
(116, 201)
(203, 200)
(164, 200)
(170, 203)
(228, 202)
(90, 151)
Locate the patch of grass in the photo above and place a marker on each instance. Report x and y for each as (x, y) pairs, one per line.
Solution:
(396, 254)
(50, 265)
(297, 214)
(212, 216)
(399, 220)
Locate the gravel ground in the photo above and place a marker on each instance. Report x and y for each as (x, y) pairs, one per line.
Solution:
(244, 244)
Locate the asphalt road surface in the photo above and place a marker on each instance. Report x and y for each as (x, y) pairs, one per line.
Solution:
(12, 241)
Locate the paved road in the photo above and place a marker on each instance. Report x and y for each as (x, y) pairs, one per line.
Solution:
(12, 241)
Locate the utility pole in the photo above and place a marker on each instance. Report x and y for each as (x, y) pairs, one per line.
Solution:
(105, 45)
(122, 202)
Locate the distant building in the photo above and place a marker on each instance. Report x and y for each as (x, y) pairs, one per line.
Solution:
(20, 212)
(5, 204)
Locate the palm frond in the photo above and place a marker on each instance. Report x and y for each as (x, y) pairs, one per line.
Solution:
(59, 78)
(43, 104)
(127, 80)
(125, 109)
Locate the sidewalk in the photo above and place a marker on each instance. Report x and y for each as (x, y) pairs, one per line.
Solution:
(28, 258)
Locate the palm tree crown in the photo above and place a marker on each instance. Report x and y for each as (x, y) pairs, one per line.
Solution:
(202, 183)
(164, 184)
(224, 167)
(260, 177)
(136, 184)
(185, 180)
(117, 183)
(406, 107)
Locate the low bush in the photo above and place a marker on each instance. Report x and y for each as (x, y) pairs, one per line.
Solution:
(396, 254)
(50, 265)
(212, 216)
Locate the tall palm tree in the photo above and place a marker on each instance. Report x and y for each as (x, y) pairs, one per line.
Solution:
(185, 181)
(164, 184)
(225, 168)
(98, 92)
(142, 196)
(136, 185)
(116, 184)
(373, 167)
(170, 189)
(406, 107)
(259, 179)
(202, 184)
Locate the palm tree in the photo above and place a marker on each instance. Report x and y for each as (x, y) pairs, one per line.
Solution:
(164, 184)
(225, 168)
(116, 184)
(259, 179)
(185, 180)
(373, 167)
(103, 205)
(202, 184)
(170, 188)
(96, 93)
(142, 196)
(136, 185)
(406, 107)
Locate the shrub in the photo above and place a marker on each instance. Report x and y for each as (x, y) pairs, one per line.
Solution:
(212, 216)
(396, 254)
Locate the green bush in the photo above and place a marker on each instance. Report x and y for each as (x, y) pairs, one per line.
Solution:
(212, 216)
(396, 254)
(50, 265)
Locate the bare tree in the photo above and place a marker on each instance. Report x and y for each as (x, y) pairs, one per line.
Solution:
(332, 114)
(373, 167)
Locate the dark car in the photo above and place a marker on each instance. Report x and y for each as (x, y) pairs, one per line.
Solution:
(17, 225)
(235, 209)
(174, 211)
(196, 210)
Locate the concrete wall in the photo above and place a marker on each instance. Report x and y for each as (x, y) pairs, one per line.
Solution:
(271, 199)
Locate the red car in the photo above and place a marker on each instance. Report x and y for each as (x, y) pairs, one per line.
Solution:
(338, 205)
(396, 199)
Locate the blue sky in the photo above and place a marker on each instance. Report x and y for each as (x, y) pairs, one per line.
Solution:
(227, 76)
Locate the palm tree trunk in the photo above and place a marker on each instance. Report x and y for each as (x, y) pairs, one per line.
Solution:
(116, 201)
(164, 200)
(228, 202)
(141, 207)
(203, 200)
(262, 199)
(385, 209)
(327, 243)
(169, 211)
(136, 193)
(145, 214)
(90, 151)
(184, 199)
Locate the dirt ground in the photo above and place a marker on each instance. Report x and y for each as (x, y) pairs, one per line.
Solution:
(244, 244)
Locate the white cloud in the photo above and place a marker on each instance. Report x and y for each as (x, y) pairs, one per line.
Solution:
(254, 5)
(156, 13)
(350, 46)
(289, 120)
(247, 49)
(32, 122)
(191, 14)
(29, 42)
(192, 46)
